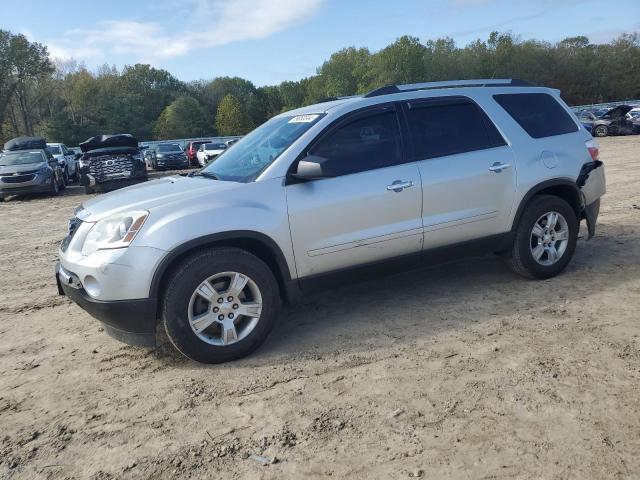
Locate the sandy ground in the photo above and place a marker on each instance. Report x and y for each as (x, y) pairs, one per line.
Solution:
(463, 371)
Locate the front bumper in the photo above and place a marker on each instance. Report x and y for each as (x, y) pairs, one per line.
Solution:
(39, 184)
(172, 163)
(129, 321)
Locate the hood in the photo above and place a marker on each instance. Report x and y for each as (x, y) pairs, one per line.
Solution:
(26, 143)
(146, 196)
(109, 141)
(619, 111)
(26, 168)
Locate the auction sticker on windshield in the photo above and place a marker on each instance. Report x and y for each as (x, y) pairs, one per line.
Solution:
(304, 118)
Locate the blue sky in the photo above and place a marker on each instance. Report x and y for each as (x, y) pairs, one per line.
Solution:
(268, 41)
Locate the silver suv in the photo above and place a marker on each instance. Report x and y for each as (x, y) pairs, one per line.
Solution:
(403, 176)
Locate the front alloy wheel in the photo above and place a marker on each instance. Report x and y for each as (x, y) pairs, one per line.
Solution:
(219, 304)
(225, 308)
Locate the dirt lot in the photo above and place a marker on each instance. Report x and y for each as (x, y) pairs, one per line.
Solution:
(463, 371)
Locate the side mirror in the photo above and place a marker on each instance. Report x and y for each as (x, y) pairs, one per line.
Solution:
(312, 167)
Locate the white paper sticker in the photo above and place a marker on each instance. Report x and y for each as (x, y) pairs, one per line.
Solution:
(304, 118)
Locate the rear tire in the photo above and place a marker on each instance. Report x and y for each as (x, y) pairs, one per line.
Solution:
(553, 243)
(181, 297)
(89, 190)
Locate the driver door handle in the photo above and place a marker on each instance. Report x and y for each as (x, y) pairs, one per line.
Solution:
(399, 185)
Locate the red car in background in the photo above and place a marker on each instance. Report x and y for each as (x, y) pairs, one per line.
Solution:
(192, 150)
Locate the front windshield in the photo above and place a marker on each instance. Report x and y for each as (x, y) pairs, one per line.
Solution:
(20, 158)
(54, 149)
(169, 147)
(255, 151)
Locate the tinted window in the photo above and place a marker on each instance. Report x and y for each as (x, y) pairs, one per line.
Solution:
(54, 149)
(449, 128)
(538, 113)
(363, 144)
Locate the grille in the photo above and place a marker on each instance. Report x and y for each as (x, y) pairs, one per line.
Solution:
(72, 228)
(106, 166)
(178, 157)
(18, 178)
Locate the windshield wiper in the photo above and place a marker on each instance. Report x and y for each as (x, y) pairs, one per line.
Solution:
(205, 175)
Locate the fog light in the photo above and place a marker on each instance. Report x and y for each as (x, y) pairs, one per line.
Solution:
(91, 286)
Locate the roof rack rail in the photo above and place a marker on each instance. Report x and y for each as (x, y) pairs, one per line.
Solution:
(333, 99)
(483, 82)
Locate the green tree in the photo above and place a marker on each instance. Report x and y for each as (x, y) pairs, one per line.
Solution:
(22, 65)
(184, 118)
(231, 117)
(346, 72)
(400, 62)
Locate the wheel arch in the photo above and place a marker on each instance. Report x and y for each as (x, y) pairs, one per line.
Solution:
(564, 188)
(256, 243)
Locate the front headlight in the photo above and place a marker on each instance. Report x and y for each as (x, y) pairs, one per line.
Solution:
(117, 231)
(83, 163)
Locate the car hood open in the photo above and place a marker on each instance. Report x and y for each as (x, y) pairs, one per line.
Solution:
(619, 111)
(109, 141)
(146, 196)
(26, 143)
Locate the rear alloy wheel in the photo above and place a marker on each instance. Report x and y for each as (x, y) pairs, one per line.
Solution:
(546, 238)
(600, 131)
(220, 304)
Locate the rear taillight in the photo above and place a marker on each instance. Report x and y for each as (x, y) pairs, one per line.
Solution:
(594, 150)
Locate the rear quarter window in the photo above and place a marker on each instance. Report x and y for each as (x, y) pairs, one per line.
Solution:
(539, 114)
(449, 127)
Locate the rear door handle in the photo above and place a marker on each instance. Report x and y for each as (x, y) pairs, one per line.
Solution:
(399, 185)
(498, 167)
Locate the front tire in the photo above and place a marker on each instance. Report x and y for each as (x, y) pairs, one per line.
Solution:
(600, 131)
(220, 304)
(546, 238)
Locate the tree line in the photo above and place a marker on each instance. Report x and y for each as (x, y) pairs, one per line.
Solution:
(66, 102)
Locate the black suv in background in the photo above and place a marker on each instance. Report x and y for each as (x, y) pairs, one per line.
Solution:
(111, 161)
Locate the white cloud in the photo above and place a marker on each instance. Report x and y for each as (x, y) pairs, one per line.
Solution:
(214, 23)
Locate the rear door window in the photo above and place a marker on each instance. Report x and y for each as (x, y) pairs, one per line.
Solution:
(539, 114)
(443, 127)
(365, 143)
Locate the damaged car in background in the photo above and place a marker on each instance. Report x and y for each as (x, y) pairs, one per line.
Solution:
(111, 161)
(613, 122)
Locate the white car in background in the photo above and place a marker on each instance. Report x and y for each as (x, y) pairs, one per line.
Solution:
(209, 151)
(66, 159)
